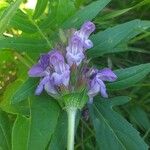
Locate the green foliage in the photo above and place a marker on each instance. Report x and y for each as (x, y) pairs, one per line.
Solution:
(40, 7)
(6, 104)
(24, 44)
(21, 21)
(26, 89)
(139, 117)
(39, 126)
(59, 138)
(109, 40)
(8, 14)
(129, 76)
(87, 13)
(5, 132)
(20, 133)
(29, 122)
(113, 130)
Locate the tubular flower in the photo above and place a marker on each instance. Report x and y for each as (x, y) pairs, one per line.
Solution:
(61, 74)
(97, 85)
(41, 68)
(74, 50)
(64, 75)
(84, 33)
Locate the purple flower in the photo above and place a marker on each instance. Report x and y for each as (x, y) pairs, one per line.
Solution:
(74, 53)
(55, 57)
(61, 74)
(55, 72)
(41, 85)
(97, 85)
(47, 84)
(41, 68)
(84, 33)
(107, 74)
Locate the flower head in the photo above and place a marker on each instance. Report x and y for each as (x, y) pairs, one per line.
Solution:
(59, 72)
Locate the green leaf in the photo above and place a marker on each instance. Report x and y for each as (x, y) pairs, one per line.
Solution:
(40, 7)
(61, 9)
(113, 14)
(117, 13)
(65, 9)
(20, 133)
(8, 14)
(111, 129)
(21, 21)
(139, 117)
(6, 104)
(40, 125)
(5, 133)
(107, 41)
(129, 76)
(25, 90)
(87, 13)
(59, 138)
(24, 44)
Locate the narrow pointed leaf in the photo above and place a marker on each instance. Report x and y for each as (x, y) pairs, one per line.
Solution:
(129, 76)
(112, 130)
(107, 41)
(87, 13)
(24, 44)
(40, 7)
(8, 14)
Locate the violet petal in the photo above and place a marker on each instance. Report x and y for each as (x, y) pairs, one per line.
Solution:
(41, 85)
(36, 71)
(107, 75)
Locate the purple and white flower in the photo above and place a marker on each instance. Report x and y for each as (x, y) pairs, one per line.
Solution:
(84, 33)
(41, 69)
(97, 85)
(54, 69)
(74, 50)
(61, 74)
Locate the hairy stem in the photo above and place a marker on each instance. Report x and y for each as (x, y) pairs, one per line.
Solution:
(71, 127)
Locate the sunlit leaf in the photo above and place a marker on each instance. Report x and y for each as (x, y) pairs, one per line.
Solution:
(6, 104)
(22, 22)
(26, 89)
(40, 7)
(5, 132)
(24, 44)
(8, 14)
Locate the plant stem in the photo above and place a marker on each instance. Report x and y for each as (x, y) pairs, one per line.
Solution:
(71, 127)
